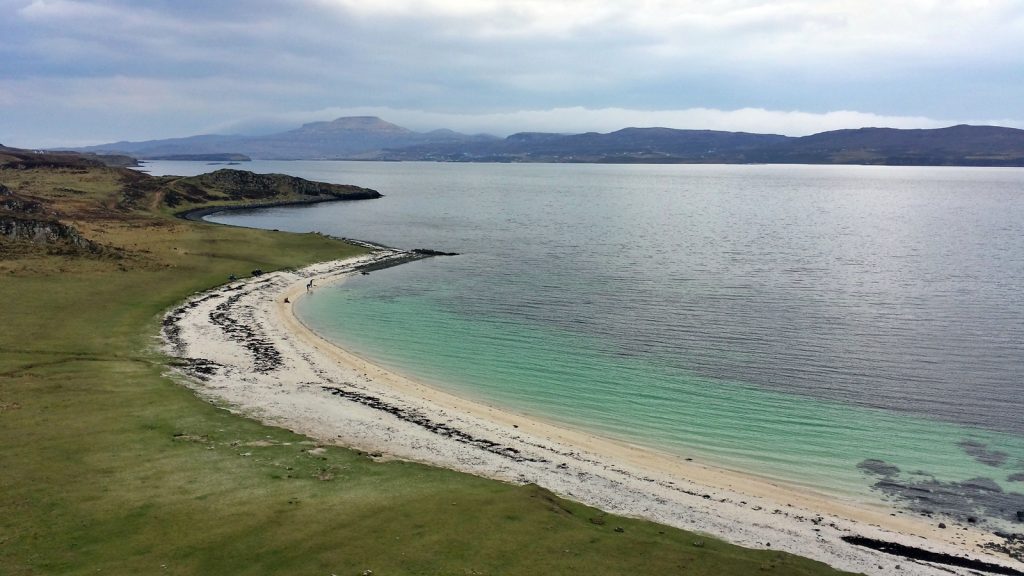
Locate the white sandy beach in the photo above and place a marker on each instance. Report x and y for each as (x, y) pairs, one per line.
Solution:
(247, 350)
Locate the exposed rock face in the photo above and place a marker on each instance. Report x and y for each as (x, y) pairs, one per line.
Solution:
(44, 232)
(14, 203)
(28, 220)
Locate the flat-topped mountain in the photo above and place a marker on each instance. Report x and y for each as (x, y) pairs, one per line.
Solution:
(348, 124)
(370, 138)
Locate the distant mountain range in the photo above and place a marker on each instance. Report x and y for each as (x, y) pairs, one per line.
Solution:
(344, 138)
(370, 138)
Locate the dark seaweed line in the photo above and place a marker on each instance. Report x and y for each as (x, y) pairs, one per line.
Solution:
(171, 322)
(266, 357)
(434, 427)
(929, 556)
(198, 368)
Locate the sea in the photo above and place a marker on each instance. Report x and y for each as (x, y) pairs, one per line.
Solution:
(855, 330)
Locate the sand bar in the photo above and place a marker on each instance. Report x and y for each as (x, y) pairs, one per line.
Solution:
(244, 348)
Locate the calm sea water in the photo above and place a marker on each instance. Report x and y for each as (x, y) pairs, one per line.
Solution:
(855, 329)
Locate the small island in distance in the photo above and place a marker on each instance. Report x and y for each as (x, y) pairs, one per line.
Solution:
(370, 138)
(228, 157)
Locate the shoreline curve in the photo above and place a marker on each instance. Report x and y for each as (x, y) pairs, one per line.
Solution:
(199, 214)
(242, 345)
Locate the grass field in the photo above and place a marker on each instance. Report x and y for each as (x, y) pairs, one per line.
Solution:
(107, 466)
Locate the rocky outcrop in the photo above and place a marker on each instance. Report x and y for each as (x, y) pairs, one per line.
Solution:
(25, 219)
(236, 185)
(32, 222)
(14, 203)
(51, 232)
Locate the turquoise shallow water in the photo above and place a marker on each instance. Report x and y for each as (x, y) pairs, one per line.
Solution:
(859, 330)
(574, 379)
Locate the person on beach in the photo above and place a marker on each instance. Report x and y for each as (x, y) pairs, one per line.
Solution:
(309, 286)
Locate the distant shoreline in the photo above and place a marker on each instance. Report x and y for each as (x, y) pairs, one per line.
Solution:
(198, 214)
(371, 138)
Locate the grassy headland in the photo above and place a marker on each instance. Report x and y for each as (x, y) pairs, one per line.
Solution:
(108, 466)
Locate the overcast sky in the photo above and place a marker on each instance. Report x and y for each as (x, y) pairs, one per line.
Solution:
(78, 72)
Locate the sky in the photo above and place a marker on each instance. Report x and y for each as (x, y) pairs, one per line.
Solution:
(78, 72)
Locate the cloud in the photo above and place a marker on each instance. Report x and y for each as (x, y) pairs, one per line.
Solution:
(799, 28)
(191, 64)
